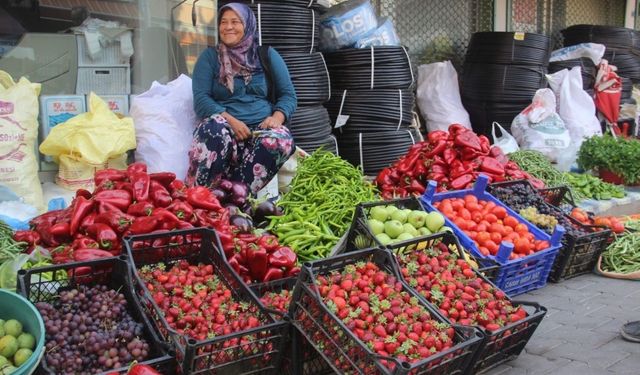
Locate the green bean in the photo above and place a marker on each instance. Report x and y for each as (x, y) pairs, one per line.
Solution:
(537, 165)
(320, 205)
(9, 248)
(623, 255)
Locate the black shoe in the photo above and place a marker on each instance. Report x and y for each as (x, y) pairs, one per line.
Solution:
(631, 331)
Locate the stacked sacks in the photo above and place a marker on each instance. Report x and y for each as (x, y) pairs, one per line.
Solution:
(502, 72)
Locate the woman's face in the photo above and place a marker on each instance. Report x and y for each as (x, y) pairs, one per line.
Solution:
(231, 28)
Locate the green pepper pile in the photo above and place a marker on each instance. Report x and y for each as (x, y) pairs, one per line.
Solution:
(320, 205)
(592, 187)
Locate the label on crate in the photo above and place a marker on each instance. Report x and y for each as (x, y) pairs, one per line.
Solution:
(56, 109)
(117, 103)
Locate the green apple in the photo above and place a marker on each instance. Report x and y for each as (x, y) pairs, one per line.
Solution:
(435, 221)
(404, 237)
(417, 219)
(399, 215)
(383, 238)
(391, 209)
(379, 213)
(408, 228)
(424, 231)
(393, 228)
(376, 226)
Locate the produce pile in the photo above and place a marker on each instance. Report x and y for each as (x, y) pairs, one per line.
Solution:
(278, 301)
(89, 330)
(450, 283)
(16, 346)
(196, 303)
(623, 255)
(374, 305)
(488, 224)
(389, 224)
(453, 159)
(320, 205)
(583, 186)
(610, 222)
(618, 155)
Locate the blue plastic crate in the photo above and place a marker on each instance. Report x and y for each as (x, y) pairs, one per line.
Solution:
(514, 276)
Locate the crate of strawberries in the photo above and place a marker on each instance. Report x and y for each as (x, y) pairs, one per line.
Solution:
(199, 304)
(355, 310)
(489, 229)
(436, 269)
(581, 245)
(93, 322)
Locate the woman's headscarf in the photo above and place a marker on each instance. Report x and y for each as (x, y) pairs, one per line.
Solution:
(243, 58)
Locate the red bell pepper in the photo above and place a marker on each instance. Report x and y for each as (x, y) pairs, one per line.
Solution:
(159, 195)
(437, 135)
(420, 169)
(124, 185)
(105, 236)
(140, 209)
(201, 197)
(283, 257)
(538, 184)
(118, 221)
(461, 182)
(60, 231)
(269, 242)
(293, 272)
(83, 193)
(233, 262)
(30, 237)
(107, 207)
(119, 198)
(258, 263)
(383, 177)
(417, 187)
(84, 255)
(178, 189)
(84, 243)
(87, 222)
(184, 225)
(273, 274)
(455, 129)
(166, 218)
(144, 224)
(449, 155)
(108, 175)
(136, 168)
(492, 166)
(181, 209)
(140, 183)
(164, 178)
(140, 369)
(485, 145)
(436, 148)
(468, 139)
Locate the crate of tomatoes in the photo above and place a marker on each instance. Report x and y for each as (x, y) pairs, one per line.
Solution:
(582, 244)
(300, 357)
(488, 228)
(200, 306)
(435, 268)
(363, 319)
(93, 322)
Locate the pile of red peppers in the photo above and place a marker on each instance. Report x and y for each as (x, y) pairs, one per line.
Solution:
(132, 202)
(453, 159)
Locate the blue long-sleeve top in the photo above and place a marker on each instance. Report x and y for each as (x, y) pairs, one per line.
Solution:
(248, 103)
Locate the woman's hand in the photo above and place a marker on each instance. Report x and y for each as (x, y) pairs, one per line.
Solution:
(274, 121)
(239, 128)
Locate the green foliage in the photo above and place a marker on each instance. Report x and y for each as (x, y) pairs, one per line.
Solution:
(620, 156)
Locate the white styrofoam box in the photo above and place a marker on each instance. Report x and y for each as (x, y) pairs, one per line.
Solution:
(104, 80)
(109, 55)
(117, 103)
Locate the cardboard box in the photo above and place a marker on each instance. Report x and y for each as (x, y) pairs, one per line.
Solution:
(117, 103)
(54, 110)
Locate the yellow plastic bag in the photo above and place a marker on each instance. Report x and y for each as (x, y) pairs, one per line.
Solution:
(89, 142)
(93, 137)
(18, 135)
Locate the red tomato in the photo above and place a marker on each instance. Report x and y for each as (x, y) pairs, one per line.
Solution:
(483, 237)
(521, 246)
(497, 228)
(521, 228)
(491, 218)
(500, 212)
(496, 237)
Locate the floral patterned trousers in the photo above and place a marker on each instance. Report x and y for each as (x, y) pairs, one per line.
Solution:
(215, 154)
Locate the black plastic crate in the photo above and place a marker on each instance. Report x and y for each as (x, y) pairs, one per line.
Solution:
(578, 254)
(301, 358)
(260, 349)
(501, 345)
(112, 272)
(360, 236)
(340, 347)
(558, 196)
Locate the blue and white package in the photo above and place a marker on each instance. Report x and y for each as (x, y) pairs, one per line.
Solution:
(384, 35)
(344, 24)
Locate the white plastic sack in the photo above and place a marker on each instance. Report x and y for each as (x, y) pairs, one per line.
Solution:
(164, 119)
(538, 127)
(594, 51)
(439, 97)
(506, 142)
(574, 105)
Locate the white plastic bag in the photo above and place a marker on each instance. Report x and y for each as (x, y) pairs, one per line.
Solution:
(575, 106)
(594, 51)
(439, 97)
(506, 142)
(164, 119)
(538, 127)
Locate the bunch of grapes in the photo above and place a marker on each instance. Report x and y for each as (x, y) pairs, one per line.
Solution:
(88, 330)
(540, 220)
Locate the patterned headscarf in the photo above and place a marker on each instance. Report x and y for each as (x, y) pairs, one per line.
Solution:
(243, 58)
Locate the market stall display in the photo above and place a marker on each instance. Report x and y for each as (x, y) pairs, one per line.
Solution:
(502, 72)
(616, 159)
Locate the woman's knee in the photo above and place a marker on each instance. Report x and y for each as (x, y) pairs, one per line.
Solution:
(214, 127)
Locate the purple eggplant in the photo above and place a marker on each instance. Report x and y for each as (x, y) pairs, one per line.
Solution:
(220, 194)
(243, 223)
(239, 189)
(233, 209)
(263, 210)
(225, 185)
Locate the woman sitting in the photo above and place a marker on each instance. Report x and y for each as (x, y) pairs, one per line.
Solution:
(242, 136)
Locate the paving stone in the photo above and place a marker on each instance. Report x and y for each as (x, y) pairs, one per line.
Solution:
(629, 365)
(535, 364)
(500, 370)
(578, 368)
(538, 346)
